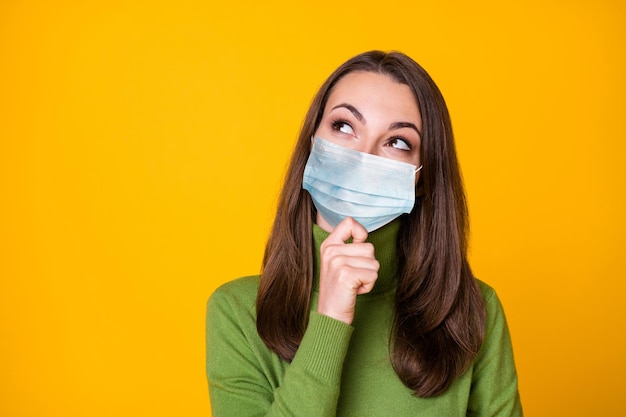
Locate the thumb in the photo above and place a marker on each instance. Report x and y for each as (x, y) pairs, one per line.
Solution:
(348, 228)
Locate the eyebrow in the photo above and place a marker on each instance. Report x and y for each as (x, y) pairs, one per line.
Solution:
(353, 110)
(400, 125)
(360, 118)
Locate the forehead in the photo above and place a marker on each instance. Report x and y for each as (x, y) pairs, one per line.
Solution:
(376, 91)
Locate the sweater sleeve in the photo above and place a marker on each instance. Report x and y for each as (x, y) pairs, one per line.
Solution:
(494, 391)
(243, 377)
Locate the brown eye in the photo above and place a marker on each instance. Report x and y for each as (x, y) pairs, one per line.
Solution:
(400, 144)
(343, 127)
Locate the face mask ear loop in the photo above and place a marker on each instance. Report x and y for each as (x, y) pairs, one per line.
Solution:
(419, 169)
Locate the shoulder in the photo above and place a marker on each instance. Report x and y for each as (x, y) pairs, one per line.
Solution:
(494, 378)
(238, 288)
(487, 291)
(236, 295)
(494, 312)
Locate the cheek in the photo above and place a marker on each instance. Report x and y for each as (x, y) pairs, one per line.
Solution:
(321, 131)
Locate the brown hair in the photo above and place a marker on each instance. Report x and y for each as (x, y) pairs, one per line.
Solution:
(439, 311)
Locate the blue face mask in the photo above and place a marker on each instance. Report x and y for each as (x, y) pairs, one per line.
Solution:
(372, 189)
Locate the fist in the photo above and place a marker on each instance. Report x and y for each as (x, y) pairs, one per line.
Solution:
(346, 270)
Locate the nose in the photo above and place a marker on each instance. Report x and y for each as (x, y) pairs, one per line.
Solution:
(367, 145)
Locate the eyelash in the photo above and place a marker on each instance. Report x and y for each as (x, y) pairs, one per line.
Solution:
(337, 123)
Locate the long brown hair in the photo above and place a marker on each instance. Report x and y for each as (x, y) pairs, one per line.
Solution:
(439, 311)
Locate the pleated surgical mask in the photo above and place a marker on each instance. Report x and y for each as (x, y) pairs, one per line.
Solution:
(344, 182)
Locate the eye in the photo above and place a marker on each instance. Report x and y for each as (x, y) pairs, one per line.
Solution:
(400, 144)
(343, 127)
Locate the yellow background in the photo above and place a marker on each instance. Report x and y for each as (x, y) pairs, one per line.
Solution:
(142, 145)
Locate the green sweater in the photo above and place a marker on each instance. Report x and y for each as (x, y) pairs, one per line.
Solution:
(343, 370)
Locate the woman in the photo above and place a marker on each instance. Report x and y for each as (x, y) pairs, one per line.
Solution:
(366, 305)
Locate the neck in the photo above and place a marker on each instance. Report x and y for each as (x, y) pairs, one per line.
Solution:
(384, 241)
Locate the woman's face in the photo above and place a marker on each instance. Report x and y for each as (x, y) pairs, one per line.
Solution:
(373, 113)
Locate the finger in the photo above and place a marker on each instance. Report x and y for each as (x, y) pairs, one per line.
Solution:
(329, 250)
(363, 280)
(346, 229)
(354, 280)
(349, 264)
(366, 287)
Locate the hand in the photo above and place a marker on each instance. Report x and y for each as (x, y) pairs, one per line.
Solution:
(347, 269)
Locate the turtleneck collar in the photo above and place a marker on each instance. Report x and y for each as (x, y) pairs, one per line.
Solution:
(384, 241)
